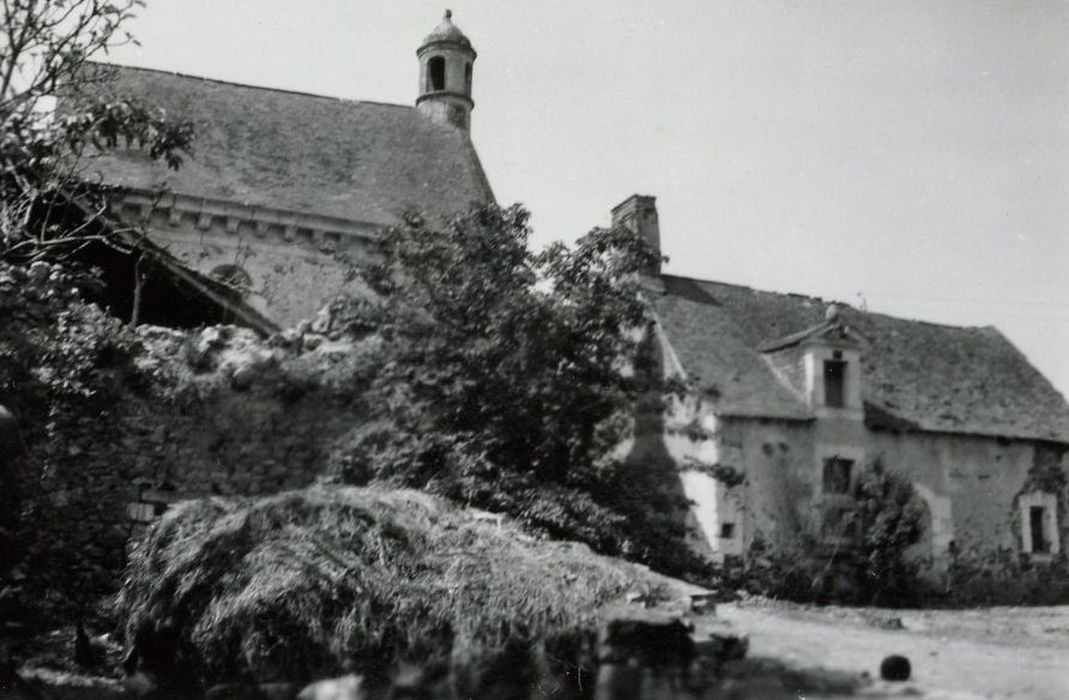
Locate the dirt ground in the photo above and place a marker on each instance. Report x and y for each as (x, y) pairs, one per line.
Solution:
(994, 653)
(799, 652)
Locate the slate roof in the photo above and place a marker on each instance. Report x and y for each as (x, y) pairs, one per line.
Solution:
(362, 161)
(916, 375)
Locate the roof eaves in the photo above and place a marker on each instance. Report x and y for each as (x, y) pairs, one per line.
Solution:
(218, 295)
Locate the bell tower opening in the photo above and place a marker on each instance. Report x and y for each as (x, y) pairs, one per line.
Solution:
(436, 73)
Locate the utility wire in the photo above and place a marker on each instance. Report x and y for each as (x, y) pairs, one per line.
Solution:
(947, 300)
(1027, 317)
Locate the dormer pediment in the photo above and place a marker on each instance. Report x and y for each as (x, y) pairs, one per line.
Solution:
(834, 334)
(822, 363)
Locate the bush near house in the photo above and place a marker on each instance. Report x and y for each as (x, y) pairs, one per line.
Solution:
(1002, 577)
(880, 570)
(885, 519)
(330, 580)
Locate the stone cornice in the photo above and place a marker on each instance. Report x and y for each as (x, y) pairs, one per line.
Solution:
(445, 93)
(222, 217)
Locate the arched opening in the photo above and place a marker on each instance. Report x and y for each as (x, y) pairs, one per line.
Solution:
(436, 73)
(467, 78)
(233, 277)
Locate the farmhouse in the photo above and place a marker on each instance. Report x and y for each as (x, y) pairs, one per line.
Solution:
(795, 395)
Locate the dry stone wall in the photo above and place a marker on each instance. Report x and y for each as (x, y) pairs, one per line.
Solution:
(213, 412)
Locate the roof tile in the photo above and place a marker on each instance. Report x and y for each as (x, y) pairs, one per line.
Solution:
(924, 375)
(362, 161)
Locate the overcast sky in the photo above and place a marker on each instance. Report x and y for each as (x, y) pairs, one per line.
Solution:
(909, 155)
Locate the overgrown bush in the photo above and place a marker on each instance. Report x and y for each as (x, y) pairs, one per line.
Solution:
(888, 517)
(1003, 577)
(884, 519)
(332, 580)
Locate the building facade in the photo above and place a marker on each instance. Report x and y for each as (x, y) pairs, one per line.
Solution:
(793, 396)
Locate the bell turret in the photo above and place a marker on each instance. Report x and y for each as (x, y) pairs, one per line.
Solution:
(445, 61)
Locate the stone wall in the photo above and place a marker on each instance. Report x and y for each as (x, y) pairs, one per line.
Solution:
(287, 265)
(216, 412)
(285, 281)
(970, 484)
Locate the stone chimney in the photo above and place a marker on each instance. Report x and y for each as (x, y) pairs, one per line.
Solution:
(639, 214)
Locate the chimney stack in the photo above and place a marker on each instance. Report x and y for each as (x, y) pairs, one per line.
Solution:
(638, 213)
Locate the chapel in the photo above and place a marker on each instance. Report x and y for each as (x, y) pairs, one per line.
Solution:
(284, 185)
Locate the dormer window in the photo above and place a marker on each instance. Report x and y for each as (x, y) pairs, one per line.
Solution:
(835, 382)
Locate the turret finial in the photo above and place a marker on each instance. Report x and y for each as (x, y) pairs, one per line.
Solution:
(448, 14)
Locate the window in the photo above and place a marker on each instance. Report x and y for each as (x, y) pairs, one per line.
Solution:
(436, 73)
(727, 530)
(1039, 523)
(837, 472)
(834, 383)
(1037, 516)
(467, 78)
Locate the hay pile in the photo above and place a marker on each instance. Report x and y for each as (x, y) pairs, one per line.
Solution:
(329, 580)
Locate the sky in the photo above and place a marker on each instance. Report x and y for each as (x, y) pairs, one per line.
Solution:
(911, 157)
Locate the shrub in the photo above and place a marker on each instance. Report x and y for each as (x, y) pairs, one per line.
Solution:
(331, 580)
(1003, 577)
(886, 518)
(889, 519)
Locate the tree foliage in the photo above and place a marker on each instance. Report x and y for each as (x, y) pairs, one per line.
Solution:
(62, 362)
(45, 47)
(508, 376)
(64, 367)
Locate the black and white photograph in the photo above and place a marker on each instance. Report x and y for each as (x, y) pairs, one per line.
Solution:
(501, 350)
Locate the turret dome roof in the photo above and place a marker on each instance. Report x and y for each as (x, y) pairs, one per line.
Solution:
(447, 32)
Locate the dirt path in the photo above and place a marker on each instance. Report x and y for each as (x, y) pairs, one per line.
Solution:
(995, 653)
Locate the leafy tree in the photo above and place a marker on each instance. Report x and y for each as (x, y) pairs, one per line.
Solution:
(508, 377)
(45, 45)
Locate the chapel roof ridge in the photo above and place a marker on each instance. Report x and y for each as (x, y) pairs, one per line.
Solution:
(234, 83)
